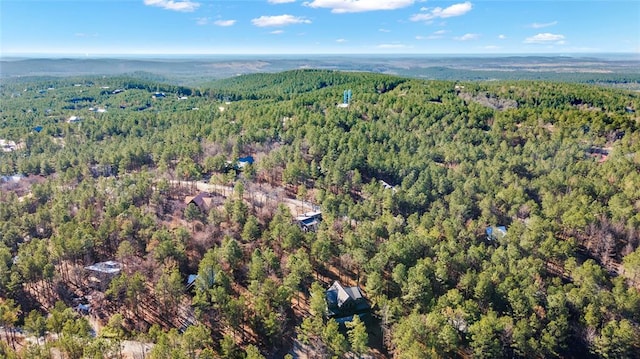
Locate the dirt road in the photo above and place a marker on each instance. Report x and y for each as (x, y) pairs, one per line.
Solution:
(276, 195)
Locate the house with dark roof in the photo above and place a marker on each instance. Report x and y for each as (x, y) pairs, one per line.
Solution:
(202, 200)
(101, 170)
(191, 281)
(345, 302)
(309, 222)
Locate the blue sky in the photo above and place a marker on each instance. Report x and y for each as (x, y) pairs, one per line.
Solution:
(139, 27)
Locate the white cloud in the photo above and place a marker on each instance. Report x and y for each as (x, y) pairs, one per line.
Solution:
(438, 12)
(384, 30)
(279, 20)
(280, 1)
(347, 6)
(545, 38)
(440, 32)
(341, 40)
(492, 47)
(179, 5)
(538, 25)
(502, 37)
(467, 37)
(277, 32)
(224, 23)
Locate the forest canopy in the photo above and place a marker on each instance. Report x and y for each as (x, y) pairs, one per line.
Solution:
(409, 174)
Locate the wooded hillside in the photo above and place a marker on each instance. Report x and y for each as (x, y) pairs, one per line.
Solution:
(408, 176)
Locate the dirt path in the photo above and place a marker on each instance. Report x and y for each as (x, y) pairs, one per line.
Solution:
(297, 207)
(132, 349)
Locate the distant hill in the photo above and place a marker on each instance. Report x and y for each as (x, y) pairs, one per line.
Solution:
(621, 69)
(284, 84)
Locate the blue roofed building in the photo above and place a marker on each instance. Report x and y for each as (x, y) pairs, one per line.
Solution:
(191, 281)
(244, 161)
(309, 222)
(496, 232)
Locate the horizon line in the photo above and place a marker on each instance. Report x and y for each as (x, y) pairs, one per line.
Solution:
(61, 55)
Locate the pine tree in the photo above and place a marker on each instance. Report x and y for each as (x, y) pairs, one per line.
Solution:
(358, 336)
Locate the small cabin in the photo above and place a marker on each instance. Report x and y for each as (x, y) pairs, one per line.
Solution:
(100, 274)
(191, 281)
(308, 222)
(386, 185)
(241, 163)
(495, 233)
(202, 200)
(244, 161)
(8, 146)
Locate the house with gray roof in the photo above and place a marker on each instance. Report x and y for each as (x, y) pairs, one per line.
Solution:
(345, 302)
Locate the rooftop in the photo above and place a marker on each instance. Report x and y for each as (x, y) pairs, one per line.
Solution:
(203, 200)
(496, 232)
(8, 146)
(343, 302)
(191, 279)
(243, 161)
(315, 214)
(309, 219)
(338, 295)
(108, 267)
